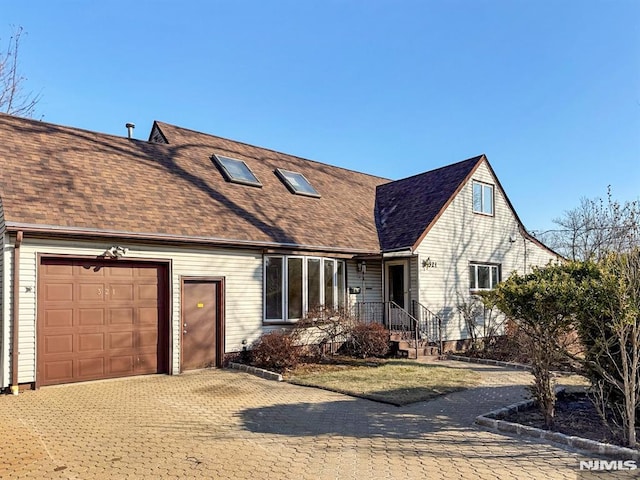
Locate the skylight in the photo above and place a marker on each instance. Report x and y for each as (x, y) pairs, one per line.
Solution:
(236, 171)
(297, 183)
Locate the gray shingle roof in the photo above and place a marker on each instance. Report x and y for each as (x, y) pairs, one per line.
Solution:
(405, 208)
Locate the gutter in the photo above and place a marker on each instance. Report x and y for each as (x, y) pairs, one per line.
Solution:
(16, 313)
(65, 232)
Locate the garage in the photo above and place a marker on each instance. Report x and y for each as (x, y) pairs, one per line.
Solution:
(100, 319)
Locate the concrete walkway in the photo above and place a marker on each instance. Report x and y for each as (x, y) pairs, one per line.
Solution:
(223, 424)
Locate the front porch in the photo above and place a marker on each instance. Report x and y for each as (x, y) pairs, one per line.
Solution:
(413, 334)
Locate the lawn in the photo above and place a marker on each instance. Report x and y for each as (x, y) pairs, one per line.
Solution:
(397, 382)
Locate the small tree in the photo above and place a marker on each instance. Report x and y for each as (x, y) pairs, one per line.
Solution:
(13, 99)
(471, 310)
(609, 314)
(541, 304)
(482, 320)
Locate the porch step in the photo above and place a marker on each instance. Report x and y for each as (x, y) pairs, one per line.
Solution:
(422, 352)
(407, 349)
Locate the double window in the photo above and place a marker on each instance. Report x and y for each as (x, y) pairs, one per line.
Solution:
(296, 285)
(483, 276)
(483, 198)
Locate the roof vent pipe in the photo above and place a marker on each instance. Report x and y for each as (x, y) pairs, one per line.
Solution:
(130, 127)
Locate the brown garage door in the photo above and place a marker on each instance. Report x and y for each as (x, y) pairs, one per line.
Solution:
(100, 319)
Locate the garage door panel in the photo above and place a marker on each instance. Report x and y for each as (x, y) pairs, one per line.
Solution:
(121, 365)
(145, 272)
(90, 342)
(121, 340)
(146, 364)
(100, 320)
(63, 270)
(146, 338)
(54, 344)
(91, 292)
(90, 317)
(60, 371)
(148, 292)
(147, 316)
(58, 318)
(60, 292)
(121, 272)
(90, 368)
(89, 269)
(121, 292)
(121, 316)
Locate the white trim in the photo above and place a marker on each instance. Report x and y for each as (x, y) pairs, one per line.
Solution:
(305, 285)
(283, 266)
(482, 198)
(491, 266)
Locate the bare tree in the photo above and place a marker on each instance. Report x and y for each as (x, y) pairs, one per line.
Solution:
(13, 98)
(596, 227)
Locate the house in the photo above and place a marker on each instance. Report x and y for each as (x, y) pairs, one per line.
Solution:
(123, 257)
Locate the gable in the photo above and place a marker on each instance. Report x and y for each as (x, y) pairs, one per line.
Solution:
(406, 208)
(459, 223)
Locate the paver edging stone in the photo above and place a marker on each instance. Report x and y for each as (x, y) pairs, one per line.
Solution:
(493, 421)
(487, 361)
(258, 372)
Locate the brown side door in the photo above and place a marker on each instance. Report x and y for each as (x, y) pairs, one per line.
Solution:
(202, 326)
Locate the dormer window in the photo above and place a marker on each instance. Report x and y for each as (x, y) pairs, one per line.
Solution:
(483, 198)
(235, 171)
(297, 183)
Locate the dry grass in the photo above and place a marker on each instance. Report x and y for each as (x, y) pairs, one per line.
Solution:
(398, 382)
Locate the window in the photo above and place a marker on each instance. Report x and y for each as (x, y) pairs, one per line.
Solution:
(294, 288)
(483, 277)
(273, 276)
(297, 183)
(296, 285)
(482, 198)
(236, 171)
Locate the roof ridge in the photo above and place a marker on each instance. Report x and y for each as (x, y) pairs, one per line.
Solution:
(274, 151)
(67, 127)
(476, 158)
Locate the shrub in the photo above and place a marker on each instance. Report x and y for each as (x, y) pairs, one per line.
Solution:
(275, 351)
(367, 340)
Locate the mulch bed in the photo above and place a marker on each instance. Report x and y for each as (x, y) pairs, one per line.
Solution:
(575, 415)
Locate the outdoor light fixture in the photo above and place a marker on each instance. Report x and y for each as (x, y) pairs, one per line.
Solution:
(362, 266)
(115, 251)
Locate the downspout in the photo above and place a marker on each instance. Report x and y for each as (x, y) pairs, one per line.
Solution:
(16, 312)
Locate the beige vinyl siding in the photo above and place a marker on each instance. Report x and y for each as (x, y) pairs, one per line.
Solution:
(459, 237)
(370, 283)
(414, 281)
(242, 271)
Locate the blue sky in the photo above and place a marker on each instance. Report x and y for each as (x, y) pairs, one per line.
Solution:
(548, 90)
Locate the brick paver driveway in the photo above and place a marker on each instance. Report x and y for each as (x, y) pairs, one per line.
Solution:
(228, 425)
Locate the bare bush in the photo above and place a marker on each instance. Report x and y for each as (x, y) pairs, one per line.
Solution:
(276, 351)
(367, 340)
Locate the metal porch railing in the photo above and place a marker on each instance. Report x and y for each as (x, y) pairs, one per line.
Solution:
(421, 325)
(429, 324)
